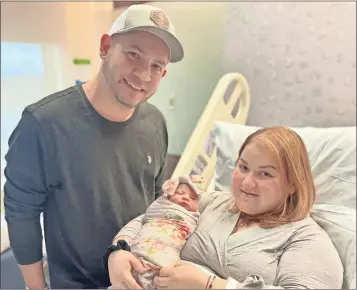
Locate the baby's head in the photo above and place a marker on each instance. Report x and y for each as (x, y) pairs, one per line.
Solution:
(185, 196)
(184, 192)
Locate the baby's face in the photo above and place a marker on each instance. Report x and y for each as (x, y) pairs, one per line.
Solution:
(186, 197)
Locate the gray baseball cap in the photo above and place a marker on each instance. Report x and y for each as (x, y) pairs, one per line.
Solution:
(151, 19)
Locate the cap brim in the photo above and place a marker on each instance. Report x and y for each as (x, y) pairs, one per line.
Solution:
(176, 49)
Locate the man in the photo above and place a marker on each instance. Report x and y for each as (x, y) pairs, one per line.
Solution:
(90, 157)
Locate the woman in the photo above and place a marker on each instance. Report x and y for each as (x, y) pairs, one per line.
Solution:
(258, 236)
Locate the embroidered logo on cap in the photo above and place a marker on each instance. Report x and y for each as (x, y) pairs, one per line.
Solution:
(160, 19)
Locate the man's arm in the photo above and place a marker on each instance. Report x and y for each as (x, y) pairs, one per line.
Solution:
(25, 193)
(160, 178)
(159, 181)
(33, 275)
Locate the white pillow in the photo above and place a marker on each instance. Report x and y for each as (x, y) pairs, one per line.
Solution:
(340, 224)
(332, 154)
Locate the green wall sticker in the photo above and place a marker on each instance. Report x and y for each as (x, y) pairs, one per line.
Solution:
(81, 61)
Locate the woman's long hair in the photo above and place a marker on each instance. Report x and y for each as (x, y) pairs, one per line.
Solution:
(293, 163)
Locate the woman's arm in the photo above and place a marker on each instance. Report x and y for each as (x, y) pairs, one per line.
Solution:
(130, 230)
(207, 198)
(308, 262)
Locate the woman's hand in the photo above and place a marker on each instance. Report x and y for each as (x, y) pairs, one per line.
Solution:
(120, 266)
(182, 276)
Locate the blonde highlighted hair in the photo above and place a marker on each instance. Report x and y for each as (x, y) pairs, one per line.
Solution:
(293, 162)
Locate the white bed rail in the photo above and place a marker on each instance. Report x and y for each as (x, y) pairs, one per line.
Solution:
(199, 155)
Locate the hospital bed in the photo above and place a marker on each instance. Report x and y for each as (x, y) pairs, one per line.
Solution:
(213, 148)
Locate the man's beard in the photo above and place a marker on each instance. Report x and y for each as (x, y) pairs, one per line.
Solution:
(120, 101)
(129, 106)
(111, 84)
(112, 87)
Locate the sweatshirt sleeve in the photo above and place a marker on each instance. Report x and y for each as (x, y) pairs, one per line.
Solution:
(163, 143)
(159, 181)
(308, 262)
(25, 190)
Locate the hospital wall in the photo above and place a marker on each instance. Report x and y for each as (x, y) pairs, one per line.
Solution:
(37, 48)
(299, 59)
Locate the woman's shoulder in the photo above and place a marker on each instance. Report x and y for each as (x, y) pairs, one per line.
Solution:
(308, 229)
(215, 199)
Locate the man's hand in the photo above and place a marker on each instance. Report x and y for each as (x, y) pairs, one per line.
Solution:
(120, 265)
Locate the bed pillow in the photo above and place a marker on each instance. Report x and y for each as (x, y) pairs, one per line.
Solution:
(340, 224)
(332, 154)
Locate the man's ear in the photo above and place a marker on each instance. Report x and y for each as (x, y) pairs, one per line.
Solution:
(164, 72)
(105, 43)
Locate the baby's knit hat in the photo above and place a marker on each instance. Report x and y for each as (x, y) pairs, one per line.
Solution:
(195, 182)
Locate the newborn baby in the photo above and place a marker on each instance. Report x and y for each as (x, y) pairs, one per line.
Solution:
(167, 224)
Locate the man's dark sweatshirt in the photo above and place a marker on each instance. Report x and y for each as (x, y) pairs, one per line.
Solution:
(88, 175)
